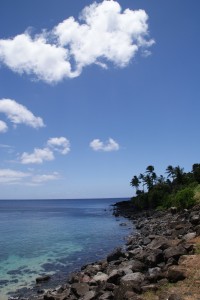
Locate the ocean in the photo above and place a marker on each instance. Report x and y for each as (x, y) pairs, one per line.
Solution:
(54, 237)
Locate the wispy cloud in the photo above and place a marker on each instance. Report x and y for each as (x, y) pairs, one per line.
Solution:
(9, 176)
(104, 33)
(39, 179)
(60, 144)
(108, 146)
(18, 114)
(3, 127)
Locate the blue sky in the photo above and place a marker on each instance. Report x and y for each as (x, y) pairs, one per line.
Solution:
(88, 102)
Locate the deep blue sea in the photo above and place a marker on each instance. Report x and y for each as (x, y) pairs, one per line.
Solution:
(54, 237)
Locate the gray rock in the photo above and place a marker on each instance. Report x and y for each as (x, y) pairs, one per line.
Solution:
(187, 237)
(125, 291)
(133, 281)
(176, 273)
(106, 296)
(174, 252)
(115, 255)
(149, 287)
(155, 257)
(154, 274)
(89, 295)
(195, 219)
(80, 289)
(159, 242)
(100, 277)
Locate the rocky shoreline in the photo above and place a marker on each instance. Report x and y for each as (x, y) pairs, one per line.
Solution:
(154, 256)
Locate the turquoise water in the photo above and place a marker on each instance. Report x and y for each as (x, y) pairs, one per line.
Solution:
(53, 237)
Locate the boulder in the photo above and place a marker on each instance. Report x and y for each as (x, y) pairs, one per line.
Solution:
(134, 265)
(115, 255)
(189, 236)
(133, 280)
(174, 252)
(195, 219)
(149, 287)
(176, 273)
(159, 242)
(106, 296)
(125, 292)
(114, 276)
(42, 278)
(89, 295)
(155, 257)
(100, 277)
(80, 289)
(154, 274)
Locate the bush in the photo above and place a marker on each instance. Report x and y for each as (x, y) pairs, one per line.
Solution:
(197, 193)
(184, 198)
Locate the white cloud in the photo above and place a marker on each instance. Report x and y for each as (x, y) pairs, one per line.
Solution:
(38, 179)
(3, 127)
(104, 33)
(110, 145)
(60, 144)
(37, 157)
(9, 176)
(19, 114)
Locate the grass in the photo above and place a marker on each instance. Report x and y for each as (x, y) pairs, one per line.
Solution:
(197, 249)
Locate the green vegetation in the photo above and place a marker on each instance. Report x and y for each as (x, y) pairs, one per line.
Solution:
(178, 188)
(197, 249)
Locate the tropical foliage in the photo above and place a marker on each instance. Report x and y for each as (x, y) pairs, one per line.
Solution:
(177, 188)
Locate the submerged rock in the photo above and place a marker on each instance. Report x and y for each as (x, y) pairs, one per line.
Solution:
(42, 278)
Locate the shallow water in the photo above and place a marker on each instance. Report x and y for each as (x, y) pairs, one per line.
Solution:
(55, 237)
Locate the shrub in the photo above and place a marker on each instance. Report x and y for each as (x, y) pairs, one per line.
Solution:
(184, 198)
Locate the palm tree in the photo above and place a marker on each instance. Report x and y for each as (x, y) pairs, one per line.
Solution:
(148, 182)
(161, 179)
(170, 171)
(141, 176)
(135, 182)
(150, 169)
(152, 175)
(179, 175)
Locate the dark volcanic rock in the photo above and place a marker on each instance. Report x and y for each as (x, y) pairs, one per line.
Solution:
(80, 289)
(174, 252)
(176, 273)
(115, 255)
(42, 278)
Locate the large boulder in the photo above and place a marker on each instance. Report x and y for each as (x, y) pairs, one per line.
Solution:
(174, 252)
(176, 273)
(115, 255)
(80, 289)
(100, 277)
(195, 219)
(154, 257)
(133, 280)
(160, 242)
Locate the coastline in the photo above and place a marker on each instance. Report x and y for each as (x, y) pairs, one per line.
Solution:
(155, 256)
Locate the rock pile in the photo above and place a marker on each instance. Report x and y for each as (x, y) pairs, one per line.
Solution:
(153, 256)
